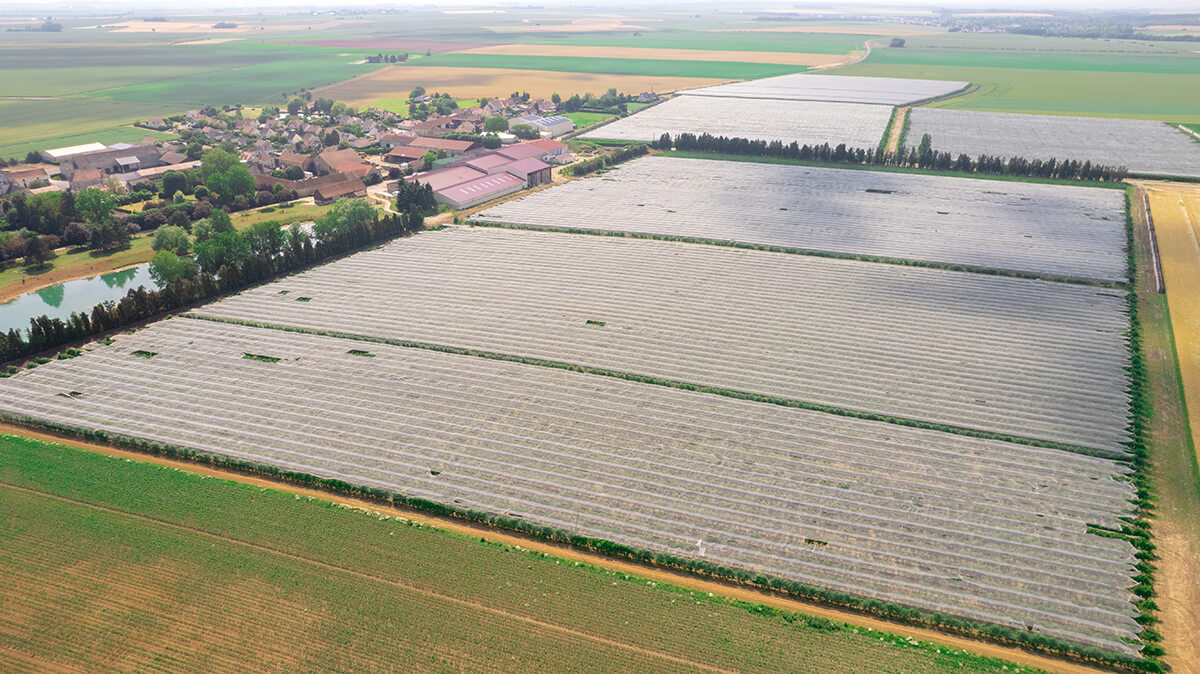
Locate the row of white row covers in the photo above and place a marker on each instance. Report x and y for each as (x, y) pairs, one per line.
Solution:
(1022, 357)
(977, 528)
(1142, 146)
(1049, 230)
(856, 125)
(837, 88)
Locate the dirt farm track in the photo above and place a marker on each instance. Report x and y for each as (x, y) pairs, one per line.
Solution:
(1010, 654)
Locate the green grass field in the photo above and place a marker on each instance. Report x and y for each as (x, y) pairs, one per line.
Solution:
(1056, 76)
(91, 90)
(800, 43)
(616, 66)
(584, 119)
(111, 563)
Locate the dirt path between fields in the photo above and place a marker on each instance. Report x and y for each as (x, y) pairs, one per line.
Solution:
(897, 129)
(1171, 346)
(379, 579)
(726, 589)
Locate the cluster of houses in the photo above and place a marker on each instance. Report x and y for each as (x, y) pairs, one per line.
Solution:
(340, 156)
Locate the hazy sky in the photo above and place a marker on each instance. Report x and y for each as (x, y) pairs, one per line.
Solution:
(76, 7)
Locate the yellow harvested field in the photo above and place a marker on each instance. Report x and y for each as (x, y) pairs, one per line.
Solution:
(1176, 210)
(553, 51)
(1191, 27)
(492, 82)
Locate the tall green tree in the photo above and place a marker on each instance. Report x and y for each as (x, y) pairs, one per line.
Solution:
(172, 238)
(167, 267)
(224, 248)
(94, 204)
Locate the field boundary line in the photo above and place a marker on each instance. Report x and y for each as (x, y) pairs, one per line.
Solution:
(727, 588)
(682, 385)
(809, 252)
(362, 574)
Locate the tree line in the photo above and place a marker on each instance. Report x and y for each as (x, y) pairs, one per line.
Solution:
(229, 267)
(592, 165)
(923, 156)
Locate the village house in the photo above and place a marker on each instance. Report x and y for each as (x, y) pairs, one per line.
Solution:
(342, 161)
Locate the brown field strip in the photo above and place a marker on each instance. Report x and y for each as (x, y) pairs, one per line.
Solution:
(726, 589)
(492, 82)
(555, 51)
(1171, 338)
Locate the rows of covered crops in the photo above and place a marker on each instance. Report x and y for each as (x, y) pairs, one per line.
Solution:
(1054, 230)
(806, 122)
(861, 506)
(1142, 146)
(840, 88)
(1016, 356)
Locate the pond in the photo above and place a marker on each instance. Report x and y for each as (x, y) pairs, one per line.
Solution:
(59, 301)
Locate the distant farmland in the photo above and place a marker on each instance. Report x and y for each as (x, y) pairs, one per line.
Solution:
(1053, 76)
(855, 506)
(396, 82)
(1054, 230)
(726, 70)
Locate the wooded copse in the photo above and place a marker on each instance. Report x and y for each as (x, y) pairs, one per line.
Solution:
(343, 230)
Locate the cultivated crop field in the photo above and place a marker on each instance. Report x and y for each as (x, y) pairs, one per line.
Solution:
(1065, 231)
(1143, 146)
(1052, 76)
(803, 87)
(1027, 358)
(861, 506)
(806, 122)
(396, 82)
